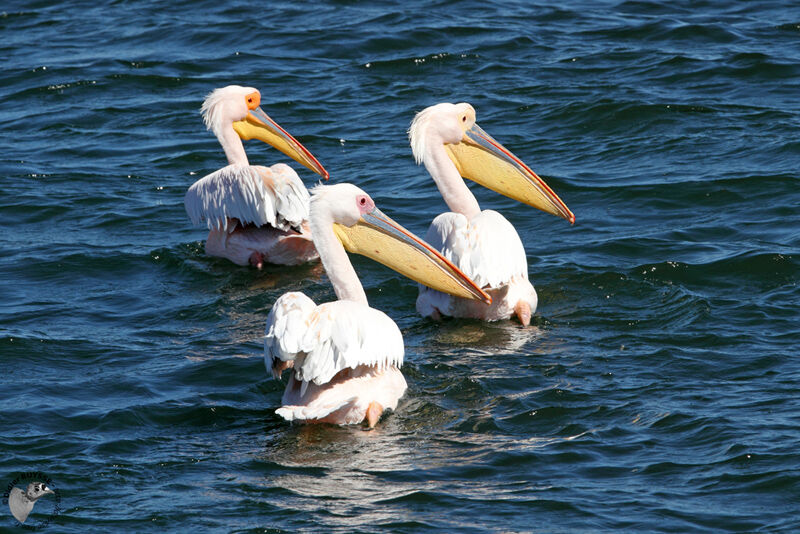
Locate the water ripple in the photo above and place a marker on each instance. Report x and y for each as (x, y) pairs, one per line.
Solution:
(654, 390)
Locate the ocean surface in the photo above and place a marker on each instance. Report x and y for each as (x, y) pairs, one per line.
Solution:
(656, 390)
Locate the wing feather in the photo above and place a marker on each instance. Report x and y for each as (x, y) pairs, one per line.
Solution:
(487, 248)
(323, 340)
(250, 193)
(286, 327)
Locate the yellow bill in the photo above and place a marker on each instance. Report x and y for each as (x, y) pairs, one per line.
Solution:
(379, 238)
(258, 125)
(478, 157)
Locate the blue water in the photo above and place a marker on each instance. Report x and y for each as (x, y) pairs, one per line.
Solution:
(655, 392)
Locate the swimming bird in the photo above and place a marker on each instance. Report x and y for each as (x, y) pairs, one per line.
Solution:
(21, 502)
(483, 244)
(255, 214)
(345, 356)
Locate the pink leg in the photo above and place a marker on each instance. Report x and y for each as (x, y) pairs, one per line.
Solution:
(374, 412)
(278, 366)
(523, 312)
(257, 260)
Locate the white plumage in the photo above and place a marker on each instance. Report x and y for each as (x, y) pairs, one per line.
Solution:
(344, 346)
(338, 335)
(344, 356)
(347, 399)
(286, 328)
(255, 214)
(252, 194)
(488, 249)
(483, 244)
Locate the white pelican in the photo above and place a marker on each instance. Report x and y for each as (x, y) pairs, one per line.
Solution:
(483, 244)
(21, 501)
(255, 214)
(345, 356)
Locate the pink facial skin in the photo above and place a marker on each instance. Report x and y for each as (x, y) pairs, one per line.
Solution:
(365, 204)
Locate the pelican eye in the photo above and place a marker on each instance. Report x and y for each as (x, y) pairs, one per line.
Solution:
(464, 118)
(363, 201)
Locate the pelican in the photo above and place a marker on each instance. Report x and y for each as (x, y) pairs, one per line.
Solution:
(483, 244)
(21, 501)
(345, 357)
(254, 214)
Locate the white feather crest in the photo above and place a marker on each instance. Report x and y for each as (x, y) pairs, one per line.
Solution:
(417, 132)
(213, 108)
(444, 119)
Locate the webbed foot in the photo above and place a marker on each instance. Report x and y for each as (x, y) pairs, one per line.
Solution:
(374, 412)
(257, 260)
(523, 312)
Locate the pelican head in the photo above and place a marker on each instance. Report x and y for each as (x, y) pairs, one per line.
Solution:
(36, 490)
(480, 158)
(238, 107)
(363, 229)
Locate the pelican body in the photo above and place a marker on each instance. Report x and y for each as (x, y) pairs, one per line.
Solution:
(483, 244)
(255, 214)
(21, 501)
(344, 356)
